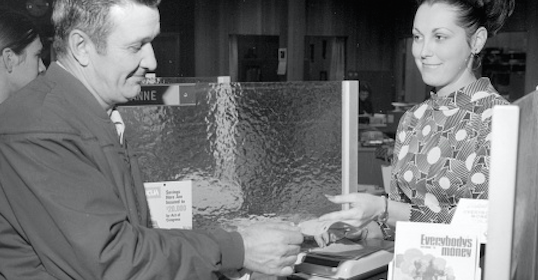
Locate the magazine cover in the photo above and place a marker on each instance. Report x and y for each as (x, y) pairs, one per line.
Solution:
(428, 251)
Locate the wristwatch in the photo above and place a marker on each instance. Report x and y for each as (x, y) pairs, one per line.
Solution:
(388, 233)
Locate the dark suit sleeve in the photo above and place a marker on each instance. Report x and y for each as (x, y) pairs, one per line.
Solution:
(78, 223)
(17, 258)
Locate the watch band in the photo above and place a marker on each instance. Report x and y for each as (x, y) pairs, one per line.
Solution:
(388, 233)
(383, 217)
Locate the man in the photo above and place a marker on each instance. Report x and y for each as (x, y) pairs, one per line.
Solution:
(72, 203)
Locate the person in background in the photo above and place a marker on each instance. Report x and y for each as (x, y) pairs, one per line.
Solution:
(21, 48)
(365, 104)
(71, 193)
(442, 145)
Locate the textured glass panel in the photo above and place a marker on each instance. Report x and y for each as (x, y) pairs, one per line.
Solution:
(253, 150)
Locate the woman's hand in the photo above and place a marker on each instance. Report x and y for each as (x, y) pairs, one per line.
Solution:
(364, 208)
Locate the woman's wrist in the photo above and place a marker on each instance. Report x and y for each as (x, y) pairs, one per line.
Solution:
(383, 218)
(383, 213)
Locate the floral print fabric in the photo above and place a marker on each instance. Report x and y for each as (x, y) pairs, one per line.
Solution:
(442, 150)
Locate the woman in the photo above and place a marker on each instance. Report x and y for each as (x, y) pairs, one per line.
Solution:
(21, 52)
(365, 104)
(21, 63)
(441, 153)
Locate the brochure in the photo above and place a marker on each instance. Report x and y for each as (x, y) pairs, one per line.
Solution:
(429, 251)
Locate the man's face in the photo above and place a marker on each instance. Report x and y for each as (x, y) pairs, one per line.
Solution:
(115, 74)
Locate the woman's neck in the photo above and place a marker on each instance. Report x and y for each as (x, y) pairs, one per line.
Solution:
(462, 81)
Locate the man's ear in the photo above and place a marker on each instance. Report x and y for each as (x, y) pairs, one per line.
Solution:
(480, 38)
(10, 59)
(80, 45)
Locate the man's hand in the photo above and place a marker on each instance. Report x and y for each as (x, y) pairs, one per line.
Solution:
(271, 248)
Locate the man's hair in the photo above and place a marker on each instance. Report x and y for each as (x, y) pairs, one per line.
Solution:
(89, 16)
(16, 31)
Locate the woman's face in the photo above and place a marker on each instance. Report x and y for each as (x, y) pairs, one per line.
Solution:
(440, 48)
(363, 95)
(28, 65)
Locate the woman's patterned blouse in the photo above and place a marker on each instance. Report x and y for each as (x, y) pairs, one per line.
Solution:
(442, 150)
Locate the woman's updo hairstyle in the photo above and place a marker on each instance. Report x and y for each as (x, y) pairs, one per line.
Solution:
(16, 30)
(491, 14)
(496, 13)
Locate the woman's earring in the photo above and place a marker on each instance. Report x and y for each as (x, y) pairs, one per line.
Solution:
(477, 61)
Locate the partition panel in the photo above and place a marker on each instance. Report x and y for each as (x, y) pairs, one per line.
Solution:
(254, 151)
(512, 246)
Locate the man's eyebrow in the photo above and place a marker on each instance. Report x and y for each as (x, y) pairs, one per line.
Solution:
(149, 39)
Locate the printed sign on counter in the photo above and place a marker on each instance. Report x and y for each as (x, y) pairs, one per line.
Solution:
(170, 203)
(473, 214)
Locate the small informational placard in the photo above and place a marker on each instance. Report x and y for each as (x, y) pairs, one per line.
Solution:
(170, 204)
(282, 61)
(473, 215)
(183, 94)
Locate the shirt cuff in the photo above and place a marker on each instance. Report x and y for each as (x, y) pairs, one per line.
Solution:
(232, 249)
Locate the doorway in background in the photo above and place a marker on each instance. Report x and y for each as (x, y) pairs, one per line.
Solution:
(254, 58)
(324, 58)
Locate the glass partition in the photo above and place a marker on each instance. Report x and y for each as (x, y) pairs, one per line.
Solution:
(253, 150)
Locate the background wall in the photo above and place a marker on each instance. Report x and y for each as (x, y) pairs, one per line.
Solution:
(374, 31)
